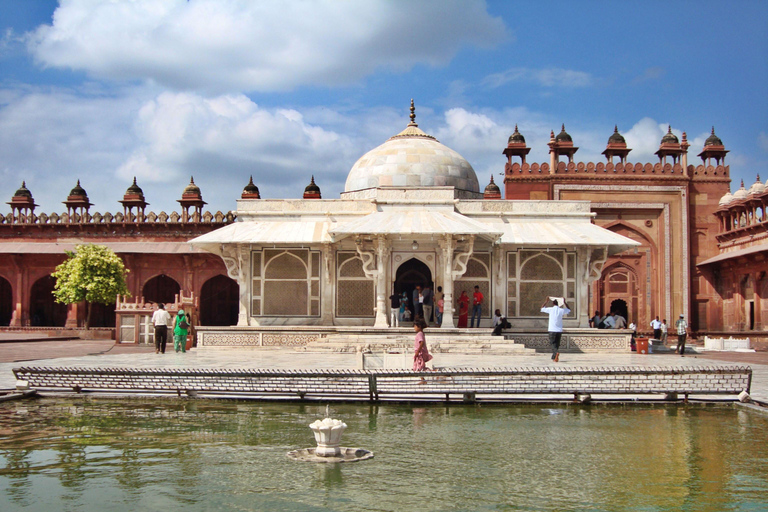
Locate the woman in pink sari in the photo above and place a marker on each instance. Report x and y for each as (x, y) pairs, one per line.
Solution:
(420, 353)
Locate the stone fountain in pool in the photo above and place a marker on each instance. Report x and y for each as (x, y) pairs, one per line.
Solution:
(328, 433)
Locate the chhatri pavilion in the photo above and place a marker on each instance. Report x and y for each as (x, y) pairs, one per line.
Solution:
(412, 213)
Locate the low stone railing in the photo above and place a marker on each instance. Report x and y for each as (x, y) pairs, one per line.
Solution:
(726, 344)
(498, 383)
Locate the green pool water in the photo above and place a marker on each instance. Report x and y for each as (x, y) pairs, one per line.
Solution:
(157, 454)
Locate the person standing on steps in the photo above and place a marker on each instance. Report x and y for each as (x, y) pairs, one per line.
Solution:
(428, 303)
(664, 332)
(477, 306)
(418, 303)
(394, 310)
(439, 306)
(180, 330)
(682, 333)
(555, 328)
(161, 319)
(463, 309)
(656, 326)
(421, 355)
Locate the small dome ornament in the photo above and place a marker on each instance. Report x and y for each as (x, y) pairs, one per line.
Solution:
(740, 194)
(616, 137)
(669, 137)
(757, 187)
(78, 191)
(191, 189)
(563, 136)
(492, 190)
(516, 137)
(250, 191)
(726, 199)
(312, 191)
(23, 191)
(713, 140)
(134, 189)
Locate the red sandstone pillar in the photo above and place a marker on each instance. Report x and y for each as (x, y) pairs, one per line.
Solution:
(72, 311)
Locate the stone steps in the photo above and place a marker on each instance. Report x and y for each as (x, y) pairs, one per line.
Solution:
(403, 343)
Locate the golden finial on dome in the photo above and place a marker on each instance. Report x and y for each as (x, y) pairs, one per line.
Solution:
(413, 114)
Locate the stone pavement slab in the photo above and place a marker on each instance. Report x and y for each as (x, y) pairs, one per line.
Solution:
(106, 354)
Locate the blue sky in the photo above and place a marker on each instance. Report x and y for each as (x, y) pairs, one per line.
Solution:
(224, 89)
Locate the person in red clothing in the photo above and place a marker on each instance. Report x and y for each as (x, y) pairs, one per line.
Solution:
(477, 306)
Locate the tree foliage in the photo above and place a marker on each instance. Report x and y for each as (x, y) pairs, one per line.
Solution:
(93, 273)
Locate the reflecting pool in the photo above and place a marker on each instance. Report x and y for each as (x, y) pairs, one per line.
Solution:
(157, 454)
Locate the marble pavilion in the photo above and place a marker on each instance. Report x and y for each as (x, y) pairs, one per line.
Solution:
(412, 213)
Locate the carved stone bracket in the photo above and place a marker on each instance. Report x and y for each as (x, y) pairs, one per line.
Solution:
(368, 257)
(460, 260)
(230, 256)
(595, 262)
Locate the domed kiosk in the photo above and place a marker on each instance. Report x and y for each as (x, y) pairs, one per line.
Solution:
(412, 213)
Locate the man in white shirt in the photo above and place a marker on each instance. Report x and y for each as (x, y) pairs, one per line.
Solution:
(555, 328)
(161, 319)
(656, 326)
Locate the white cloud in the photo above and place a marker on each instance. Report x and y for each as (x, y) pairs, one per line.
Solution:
(60, 137)
(54, 138)
(644, 139)
(241, 45)
(546, 77)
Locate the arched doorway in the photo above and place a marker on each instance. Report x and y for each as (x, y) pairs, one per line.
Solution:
(103, 315)
(219, 301)
(410, 274)
(161, 289)
(620, 306)
(622, 294)
(6, 302)
(44, 311)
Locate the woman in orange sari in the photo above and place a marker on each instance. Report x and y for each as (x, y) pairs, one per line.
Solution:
(463, 309)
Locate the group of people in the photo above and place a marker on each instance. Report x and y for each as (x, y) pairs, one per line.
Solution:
(556, 312)
(424, 302)
(613, 320)
(180, 325)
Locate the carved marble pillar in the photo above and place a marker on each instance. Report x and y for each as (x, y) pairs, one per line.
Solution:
(327, 284)
(382, 288)
(448, 244)
(498, 276)
(237, 261)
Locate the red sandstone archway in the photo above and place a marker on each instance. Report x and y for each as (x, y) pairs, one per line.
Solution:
(219, 301)
(6, 302)
(161, 289)
(620, 289)
(44, 311)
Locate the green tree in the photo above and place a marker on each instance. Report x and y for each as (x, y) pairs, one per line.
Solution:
(93, 273)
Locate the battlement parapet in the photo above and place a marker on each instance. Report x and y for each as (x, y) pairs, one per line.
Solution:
(118, 218)
(625, 169)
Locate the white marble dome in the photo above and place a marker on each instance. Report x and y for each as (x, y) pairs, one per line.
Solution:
(740, 194)
(727, 198)
(412, 158)
(757, 187)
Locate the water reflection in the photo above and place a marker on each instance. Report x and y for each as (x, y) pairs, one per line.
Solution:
(80, 454)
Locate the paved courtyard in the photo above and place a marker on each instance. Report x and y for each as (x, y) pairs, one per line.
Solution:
(104, 353)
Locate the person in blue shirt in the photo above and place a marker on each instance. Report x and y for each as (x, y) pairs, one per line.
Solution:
(555, 328)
